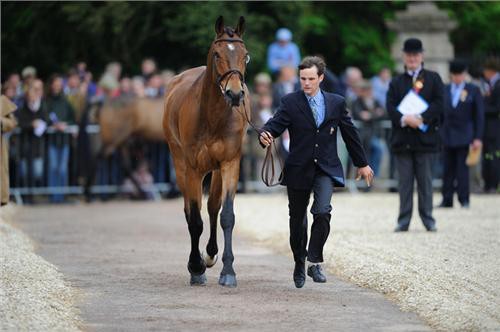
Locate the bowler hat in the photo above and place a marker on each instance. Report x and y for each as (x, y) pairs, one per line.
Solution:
(457, 67)
(413, 45)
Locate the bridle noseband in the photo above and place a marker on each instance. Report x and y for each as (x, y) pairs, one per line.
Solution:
(231, 71)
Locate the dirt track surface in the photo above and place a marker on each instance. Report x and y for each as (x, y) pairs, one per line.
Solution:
(450, 278)
(129, 262)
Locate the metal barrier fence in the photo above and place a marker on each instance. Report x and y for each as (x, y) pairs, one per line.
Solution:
(36, 162)
(32, 166)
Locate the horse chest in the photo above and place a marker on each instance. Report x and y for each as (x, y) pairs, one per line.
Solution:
(210, 155)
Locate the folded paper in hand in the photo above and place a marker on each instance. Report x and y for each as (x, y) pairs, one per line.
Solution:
(412, 103)
(473, 157)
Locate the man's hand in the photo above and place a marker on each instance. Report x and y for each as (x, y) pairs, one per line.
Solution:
(36, 123)
(366, 173)
(266, 138)
(365, 115)
(412, 120)
(60, 126)
(476, 144)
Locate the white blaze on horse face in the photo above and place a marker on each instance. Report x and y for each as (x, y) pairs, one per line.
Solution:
(231, 47)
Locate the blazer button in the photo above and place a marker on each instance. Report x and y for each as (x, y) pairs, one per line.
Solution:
(316, 145)
(317, 131)
(316, 160)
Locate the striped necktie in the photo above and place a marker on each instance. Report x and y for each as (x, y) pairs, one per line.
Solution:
(314, 109)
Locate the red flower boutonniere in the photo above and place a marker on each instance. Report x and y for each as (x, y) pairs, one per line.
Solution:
(463, 95)
(418, 85)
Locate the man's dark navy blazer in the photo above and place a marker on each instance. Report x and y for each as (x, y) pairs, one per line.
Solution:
(311, 145)
(465, 122)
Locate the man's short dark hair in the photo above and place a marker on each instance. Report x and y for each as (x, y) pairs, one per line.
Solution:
(311, 61)
(492, 63)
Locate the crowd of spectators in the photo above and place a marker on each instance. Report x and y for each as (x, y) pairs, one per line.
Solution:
(61, 101)
(49, 112)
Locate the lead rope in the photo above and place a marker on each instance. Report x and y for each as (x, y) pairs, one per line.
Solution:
(268, 172)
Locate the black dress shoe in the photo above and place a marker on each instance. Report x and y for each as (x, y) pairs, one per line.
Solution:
(315, 272)
(400, 228)
(299, 275)
(431, 228)
(466, 205)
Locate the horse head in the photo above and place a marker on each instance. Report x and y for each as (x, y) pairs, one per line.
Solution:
(228, 58)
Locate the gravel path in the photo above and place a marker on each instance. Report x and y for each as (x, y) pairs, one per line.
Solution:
(129, 261)
(33, 294)
(450, 278)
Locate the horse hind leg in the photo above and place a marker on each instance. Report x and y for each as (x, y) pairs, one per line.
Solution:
(214, 205)
(91, 173)
(192, 204)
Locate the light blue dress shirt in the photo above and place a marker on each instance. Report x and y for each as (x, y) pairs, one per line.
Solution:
(456, 90)
(318, 103)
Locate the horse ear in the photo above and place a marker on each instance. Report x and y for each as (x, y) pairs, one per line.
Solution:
(219, 25)
(240, 29)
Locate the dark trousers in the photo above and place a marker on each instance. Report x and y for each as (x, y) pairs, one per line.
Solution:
(455, 170)
(298, 201)
(491, 162)
(411, 166)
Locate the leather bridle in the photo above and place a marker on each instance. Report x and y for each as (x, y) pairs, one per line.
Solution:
(268, 172)
(230, 72)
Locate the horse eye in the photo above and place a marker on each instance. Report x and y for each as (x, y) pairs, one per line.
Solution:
(247, 58)
(216, 56)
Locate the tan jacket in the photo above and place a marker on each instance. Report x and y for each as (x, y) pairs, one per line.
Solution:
(7, 123)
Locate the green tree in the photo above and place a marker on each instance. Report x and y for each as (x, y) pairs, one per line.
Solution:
(53, 36)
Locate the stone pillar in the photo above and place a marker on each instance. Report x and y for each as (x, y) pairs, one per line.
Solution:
(431, 25)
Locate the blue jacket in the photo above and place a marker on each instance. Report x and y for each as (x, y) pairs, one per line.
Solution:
(464, 123)
(310, 145)
(280, 56)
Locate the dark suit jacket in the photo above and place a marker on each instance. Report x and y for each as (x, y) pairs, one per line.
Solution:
(492, 114)
(331, 83)
(311, 146)
(465, 122)
(407, 139)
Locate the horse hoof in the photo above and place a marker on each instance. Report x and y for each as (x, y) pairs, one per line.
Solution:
(198, 280)
(210, 261)
(227, 280)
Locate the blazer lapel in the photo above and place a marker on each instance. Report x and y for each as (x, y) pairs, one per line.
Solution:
(329, 109)
(305, 108)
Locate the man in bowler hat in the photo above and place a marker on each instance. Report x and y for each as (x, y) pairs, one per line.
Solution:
(312, 117)
(415, 138)
(463, 122)
(491, 150)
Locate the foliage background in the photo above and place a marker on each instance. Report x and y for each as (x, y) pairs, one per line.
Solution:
(52, 36)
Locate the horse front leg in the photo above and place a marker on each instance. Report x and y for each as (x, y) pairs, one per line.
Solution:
(230, 173)
(192, 206)
(214, 204)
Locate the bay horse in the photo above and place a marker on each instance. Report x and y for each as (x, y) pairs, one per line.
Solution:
(119, 120)
(206, 109)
